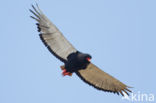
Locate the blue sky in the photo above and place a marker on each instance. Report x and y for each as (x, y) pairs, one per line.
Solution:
(119, 34)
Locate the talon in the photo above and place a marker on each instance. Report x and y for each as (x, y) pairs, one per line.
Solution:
(64, 73)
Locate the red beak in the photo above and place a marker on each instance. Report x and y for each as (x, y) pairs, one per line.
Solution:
(89, 59)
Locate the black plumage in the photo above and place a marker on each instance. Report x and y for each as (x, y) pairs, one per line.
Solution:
(76, 61)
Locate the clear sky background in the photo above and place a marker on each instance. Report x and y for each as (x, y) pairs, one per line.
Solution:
(119, 34)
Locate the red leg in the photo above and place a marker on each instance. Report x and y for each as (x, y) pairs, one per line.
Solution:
(64, 73)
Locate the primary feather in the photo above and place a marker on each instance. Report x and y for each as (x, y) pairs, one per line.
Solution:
(51, 36)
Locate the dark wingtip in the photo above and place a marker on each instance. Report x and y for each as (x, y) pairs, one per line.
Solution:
(33, 6)
(38, 27)
(128, 89)
(30, 10)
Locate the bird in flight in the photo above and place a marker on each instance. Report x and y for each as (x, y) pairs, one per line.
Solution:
(74, 60)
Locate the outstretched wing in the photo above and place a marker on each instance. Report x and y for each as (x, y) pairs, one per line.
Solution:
(51, 36)
(101, 80)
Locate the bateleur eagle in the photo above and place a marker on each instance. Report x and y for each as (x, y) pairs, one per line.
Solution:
(74, 60)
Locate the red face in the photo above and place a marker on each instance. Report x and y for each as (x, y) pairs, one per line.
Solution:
(88, 59)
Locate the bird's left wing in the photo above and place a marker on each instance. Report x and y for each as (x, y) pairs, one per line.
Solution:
(97, 78)
(53, 39)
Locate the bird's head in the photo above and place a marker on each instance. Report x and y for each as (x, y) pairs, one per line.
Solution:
(83, 57)
(88, 57)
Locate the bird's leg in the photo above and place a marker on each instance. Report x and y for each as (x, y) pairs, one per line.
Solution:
(64, 73)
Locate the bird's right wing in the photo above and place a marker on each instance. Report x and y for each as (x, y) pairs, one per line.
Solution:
(95, 77)
(53, 39)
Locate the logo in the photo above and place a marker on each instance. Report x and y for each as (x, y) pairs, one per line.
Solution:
(140, 97)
